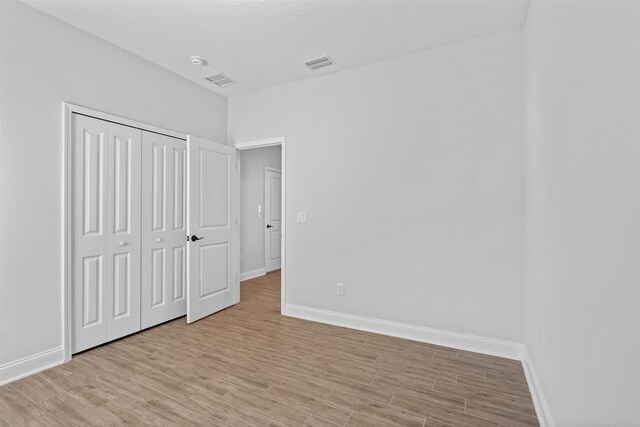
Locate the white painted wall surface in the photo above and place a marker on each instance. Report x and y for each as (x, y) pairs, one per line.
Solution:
(411, 173)
(253, 162)
(44, 62)
(583, 209)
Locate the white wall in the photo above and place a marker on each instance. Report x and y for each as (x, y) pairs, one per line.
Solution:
(583, 209)
(44, 62)
(253, 162)
(411, 173)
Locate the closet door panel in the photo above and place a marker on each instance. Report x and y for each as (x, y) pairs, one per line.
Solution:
(154, 229)
(177, 305)
(123, 225)
(90, 238)
(163, 228)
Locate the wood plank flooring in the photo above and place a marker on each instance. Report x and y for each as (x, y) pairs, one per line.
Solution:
(250, 366)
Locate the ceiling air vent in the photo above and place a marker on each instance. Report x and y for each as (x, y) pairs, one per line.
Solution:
(314, 64)
(221, 80)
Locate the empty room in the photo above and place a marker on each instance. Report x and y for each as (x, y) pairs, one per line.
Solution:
(320, 213)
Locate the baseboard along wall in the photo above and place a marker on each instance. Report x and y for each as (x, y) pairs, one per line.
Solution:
(252, 274)
(478, 344)
(30, 365)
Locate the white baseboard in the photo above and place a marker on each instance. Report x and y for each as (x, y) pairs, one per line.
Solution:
(539, 401)
(252, 274)
(30, 365)
(478, 344)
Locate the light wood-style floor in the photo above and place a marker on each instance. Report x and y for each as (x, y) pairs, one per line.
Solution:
(248, 365)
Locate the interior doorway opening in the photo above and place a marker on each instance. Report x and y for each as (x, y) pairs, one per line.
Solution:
(262, 230)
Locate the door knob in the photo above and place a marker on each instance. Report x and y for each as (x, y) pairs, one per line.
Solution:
(158, 240)
(195, 238)
(123, 243)
(269, 226)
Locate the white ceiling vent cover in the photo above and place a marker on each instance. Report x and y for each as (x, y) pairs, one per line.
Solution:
(314, 64)
(221, 80)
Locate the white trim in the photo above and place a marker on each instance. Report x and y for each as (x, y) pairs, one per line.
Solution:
(67, 207)
(478, 344)
(30, 365)
(268, 142)
(237, 222)
(72, 108)
(67, 210)
(252, 274)
(281, 140)
(539, 402)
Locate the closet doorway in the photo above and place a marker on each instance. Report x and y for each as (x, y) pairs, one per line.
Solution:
(151, 227)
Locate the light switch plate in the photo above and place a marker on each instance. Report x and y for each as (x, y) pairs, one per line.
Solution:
(301, 217)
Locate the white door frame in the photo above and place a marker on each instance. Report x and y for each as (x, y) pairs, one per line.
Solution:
(260, 143)
(68, 110)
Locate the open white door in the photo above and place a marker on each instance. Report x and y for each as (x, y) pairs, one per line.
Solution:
(272, 219)
(212, 256)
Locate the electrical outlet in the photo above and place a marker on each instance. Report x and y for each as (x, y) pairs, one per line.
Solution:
(301, 217)
(340, 290)
(241, 259)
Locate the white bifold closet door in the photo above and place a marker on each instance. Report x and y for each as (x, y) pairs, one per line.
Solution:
(106, 231)
(133, 266)
(164, 228)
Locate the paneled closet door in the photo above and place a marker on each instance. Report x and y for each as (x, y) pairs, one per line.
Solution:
(90, 241)
(164, 230)
(123, 225)
(106, 231)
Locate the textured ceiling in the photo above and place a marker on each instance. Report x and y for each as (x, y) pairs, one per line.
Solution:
(262, 43)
